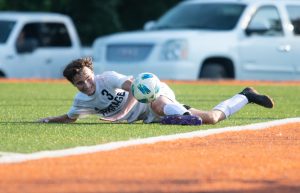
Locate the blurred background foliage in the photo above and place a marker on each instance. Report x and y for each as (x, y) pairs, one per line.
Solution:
(94, 18)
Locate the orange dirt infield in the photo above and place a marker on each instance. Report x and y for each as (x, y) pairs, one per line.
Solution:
(262, 161)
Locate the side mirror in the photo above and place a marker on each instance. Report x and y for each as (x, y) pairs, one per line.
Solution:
(257, 28)
(27, 46)
(149, 25)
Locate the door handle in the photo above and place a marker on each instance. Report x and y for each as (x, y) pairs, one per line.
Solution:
(48, 61)
(284, 48)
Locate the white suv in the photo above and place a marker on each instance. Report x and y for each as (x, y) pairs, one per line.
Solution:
(211, 39)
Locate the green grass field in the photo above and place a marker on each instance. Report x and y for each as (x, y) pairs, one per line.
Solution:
(21, 104)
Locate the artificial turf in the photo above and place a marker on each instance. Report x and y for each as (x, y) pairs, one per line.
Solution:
(22, 104)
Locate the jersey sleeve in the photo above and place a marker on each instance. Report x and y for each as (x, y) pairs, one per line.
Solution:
(115, 79)
(73, 113)
(79, 109)
(76, 112)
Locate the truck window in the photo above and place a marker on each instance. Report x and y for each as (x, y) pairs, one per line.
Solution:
(6, 27)
(210, 16)
(294, 15)
(268, 17)
(54, 35)
(46, 34)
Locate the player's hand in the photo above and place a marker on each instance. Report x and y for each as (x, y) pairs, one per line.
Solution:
(57, 119)
(44, 120)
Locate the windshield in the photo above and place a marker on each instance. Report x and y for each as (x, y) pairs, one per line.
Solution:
(5, 29)
(210, 16)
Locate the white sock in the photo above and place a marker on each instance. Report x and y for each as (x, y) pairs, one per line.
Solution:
(232, 105)
(174, 109)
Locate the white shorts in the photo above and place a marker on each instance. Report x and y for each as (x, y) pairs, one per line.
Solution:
(143, 111)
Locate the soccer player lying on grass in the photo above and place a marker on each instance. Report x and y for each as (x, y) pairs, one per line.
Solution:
(109, 95)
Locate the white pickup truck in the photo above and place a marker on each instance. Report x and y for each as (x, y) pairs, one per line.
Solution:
(37, 45)
(237, 39)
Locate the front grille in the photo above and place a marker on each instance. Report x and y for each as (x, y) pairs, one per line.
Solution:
(128, 52)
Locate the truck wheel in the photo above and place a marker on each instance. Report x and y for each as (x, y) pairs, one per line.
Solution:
(2, 75)
(213, 71)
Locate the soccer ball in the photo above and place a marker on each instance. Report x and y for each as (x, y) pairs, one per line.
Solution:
(145, 87)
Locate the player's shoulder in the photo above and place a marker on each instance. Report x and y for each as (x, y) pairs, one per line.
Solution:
(109, 74)
(112, 78)
(104, 78)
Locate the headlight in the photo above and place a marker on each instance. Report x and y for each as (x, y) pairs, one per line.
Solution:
(174, 50)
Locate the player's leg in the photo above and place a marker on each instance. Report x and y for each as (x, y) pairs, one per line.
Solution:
(164, 106)
(173, 112)
(166, 103)
(254, 97)
(178, 114)
(209, 117)
(238, 101)
(233, 105)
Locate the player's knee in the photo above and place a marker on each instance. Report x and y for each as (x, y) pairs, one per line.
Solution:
(158, 107)
(213, 118)
(164, 106)
(213, 121)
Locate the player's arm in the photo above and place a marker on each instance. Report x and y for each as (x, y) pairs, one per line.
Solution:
(131, 101)
(58, 119)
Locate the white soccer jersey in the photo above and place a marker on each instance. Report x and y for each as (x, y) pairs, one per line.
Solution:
(109, 99)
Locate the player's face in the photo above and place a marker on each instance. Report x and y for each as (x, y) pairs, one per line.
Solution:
(85, 82)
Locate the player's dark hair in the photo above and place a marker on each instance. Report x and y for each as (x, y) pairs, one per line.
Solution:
(76, 66)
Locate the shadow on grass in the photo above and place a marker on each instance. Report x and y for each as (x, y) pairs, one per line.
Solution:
(256, 118)
(33, 122)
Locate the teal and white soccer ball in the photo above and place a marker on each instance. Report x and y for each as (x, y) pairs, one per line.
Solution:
(145, 87)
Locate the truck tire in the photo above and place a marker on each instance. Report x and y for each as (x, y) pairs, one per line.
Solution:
(2, 75)
(214, 71)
